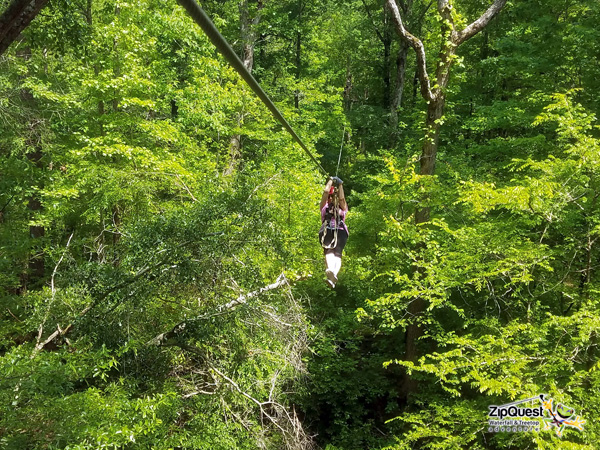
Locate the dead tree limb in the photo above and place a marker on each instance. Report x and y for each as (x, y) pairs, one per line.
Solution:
(40, 345)
(163, 338)
(417, 46)
(278, 415)
(60, 332)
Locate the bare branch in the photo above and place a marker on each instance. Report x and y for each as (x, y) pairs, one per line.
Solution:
(289, 425)
(236, 386)
(59, 332)
(184, 186)
(162, 338)
(265, 399)
(281, 281)
(474, 28)
(57, 264)
(40, 345)
(417, 45)
(192, 394)
(262, 184)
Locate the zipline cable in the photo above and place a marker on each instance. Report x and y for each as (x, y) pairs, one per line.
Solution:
(341, 148)
(204, 22)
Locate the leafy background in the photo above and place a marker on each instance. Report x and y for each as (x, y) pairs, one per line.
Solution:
(127, 223)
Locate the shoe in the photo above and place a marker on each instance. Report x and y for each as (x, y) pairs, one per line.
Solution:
(330, 283)
(331, 277)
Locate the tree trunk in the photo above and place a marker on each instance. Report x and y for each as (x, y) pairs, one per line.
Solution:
(385, 36)
(413, 333)
(387, 51)
(298, 66)
(35, 265)
(398, 91)
(436, 99)
(117, 64)
(235, 149)
(414, 330)
(16, 18)
(88, 13)
(435, 112)
(348, 87)
(248, 36)
(300, 7)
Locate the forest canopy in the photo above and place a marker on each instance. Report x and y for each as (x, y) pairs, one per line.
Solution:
(162, 284)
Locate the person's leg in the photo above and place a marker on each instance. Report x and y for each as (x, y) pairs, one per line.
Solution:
(333, 256)
(331, 264)
(334, 263)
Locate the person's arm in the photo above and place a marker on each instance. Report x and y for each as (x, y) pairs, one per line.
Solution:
(342, 198)
(325, 193)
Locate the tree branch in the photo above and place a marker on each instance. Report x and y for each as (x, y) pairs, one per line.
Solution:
(59, 332)
(163, 338)
(417, 45)
(262, 405)
(57, 264)
(448, 47)
(474, 28)
(422, 15)
(281, 281)
(40, 345)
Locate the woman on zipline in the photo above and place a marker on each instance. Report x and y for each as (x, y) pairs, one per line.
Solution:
(334, 232)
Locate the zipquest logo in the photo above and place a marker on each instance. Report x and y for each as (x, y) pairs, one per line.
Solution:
(511, 417)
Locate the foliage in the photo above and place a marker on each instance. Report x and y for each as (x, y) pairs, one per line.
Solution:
(132, 259)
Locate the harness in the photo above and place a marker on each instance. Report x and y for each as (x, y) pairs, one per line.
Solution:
(333, 212)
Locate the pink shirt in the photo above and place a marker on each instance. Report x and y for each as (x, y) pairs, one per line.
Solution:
(341, 215)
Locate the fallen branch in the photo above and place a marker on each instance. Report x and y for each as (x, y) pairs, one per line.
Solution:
(294, 428)
(39, 345)
(163, 338)
(281, 281)
(62, 332)
(270, 407)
